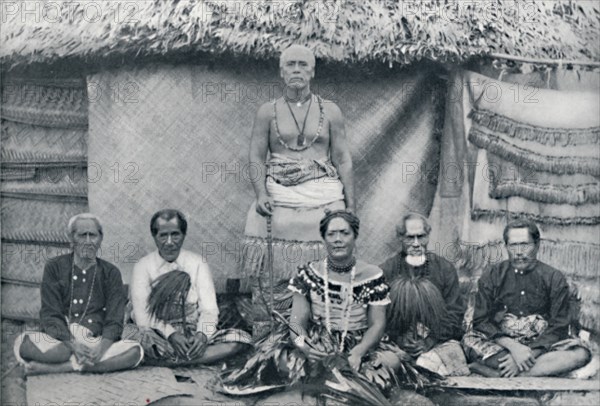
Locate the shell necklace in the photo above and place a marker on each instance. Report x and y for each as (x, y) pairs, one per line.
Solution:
(346, 311)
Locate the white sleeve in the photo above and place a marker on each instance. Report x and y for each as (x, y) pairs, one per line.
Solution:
(140, 291)
(207, 300)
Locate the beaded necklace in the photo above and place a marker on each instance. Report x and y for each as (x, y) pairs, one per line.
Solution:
(346, 311)
(341, 269)
(89, 296)
(304, 145)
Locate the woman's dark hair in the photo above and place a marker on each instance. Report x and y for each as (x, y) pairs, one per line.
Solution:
(345, 214)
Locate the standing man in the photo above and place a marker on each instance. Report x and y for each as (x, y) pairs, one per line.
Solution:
(174, 301)
(299, 143)
(83, 306)
(521, 319)
(425, 319)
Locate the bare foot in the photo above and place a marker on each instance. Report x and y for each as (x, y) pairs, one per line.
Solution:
(38, 368)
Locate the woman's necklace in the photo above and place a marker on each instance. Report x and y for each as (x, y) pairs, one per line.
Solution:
(346, 311)
(340, 269)
(89, 296)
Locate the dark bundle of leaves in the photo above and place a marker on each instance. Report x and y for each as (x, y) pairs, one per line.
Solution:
(167, 298)
(415, 300)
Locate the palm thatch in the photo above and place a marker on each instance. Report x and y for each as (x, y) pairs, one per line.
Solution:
(337, 30)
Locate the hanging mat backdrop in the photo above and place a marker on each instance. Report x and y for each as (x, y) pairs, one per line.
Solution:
(43, 178)
(526, 152)
(179, 137)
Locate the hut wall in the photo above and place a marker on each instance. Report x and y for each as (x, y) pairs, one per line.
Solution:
(43, 179)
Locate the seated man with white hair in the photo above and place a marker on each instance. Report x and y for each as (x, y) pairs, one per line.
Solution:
(81, 317)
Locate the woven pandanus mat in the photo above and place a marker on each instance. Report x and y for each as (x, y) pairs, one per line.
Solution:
(141, 386)
(49, 183)
(17, 173)
(25, 262)
(20, 302)
(26, 144)
(58, 103)
(37, 221)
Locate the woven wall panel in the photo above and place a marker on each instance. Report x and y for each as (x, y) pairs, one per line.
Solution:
(27, 144)
(20, 302)
(57, 103)
(63, 182)
(18, 173)
(25, 262)
(34, 220)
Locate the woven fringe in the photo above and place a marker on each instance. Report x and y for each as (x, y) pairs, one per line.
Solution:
(478, 214)
(575, 195)
(588, 290)
(559, 165)
(577, 260)
(542, 135)
(589, 317)
(287, 256)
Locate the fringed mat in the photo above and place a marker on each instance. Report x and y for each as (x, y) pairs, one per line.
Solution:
(521, 383)
(141, 386)
(519, 207)
(181, 145)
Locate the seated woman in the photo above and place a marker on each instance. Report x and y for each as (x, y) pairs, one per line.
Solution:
(339, 306)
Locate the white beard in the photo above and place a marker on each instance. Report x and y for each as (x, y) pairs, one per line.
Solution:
(415, 260)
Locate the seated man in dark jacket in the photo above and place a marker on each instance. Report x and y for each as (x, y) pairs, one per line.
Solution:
(83, 305)
(427, 309)
(521, 319)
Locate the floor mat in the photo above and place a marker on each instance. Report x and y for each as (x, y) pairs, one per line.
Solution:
(141, 386)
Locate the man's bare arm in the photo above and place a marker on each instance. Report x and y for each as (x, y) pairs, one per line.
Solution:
(259, 146)
(340, 152)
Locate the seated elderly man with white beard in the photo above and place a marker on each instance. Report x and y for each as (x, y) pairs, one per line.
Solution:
(83, 307)
(425, 318)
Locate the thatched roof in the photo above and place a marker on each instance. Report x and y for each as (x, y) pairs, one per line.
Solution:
(337, 30)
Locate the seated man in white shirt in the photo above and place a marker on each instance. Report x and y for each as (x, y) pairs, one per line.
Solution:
(174, 301)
